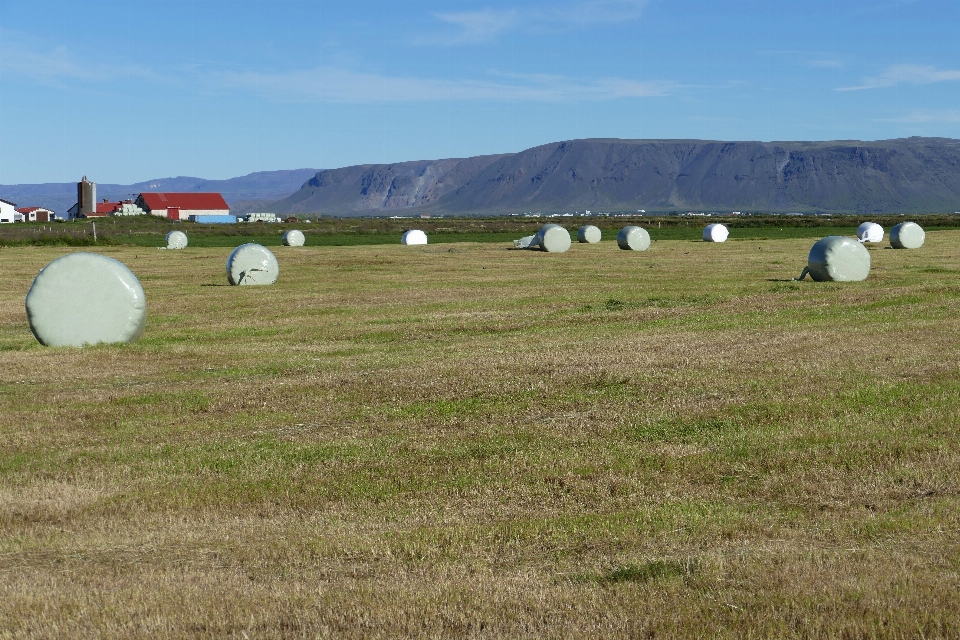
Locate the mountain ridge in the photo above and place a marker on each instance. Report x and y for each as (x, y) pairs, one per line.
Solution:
(906, 174)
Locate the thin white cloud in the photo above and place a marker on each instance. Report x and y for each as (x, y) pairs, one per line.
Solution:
(475, 27)
(927, 116)
(327, 84)
(906, 74)
(26, 58)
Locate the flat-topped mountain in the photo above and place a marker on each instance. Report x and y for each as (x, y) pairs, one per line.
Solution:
(912, 175)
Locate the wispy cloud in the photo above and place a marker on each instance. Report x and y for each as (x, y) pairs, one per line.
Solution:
(327, 84)
(906, 74)
(927, 116)
(474, 27)
(25, 58)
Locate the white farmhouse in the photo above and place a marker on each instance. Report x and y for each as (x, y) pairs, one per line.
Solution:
(8, 212)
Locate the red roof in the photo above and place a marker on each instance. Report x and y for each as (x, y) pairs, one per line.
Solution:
(107, 207)
(187, 201)
(29, 209)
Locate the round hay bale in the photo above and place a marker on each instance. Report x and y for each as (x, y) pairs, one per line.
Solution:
(293, 238)
(414, 236)
(589, 233)
(715, 232)
(251, 264)
(176, 240)
(870, 232)
(633, 238)
(85, 298)
(907, 235)
(553, 238)
(838, 258)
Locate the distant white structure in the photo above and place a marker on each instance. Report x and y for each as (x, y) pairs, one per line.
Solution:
(8, 212)
(870, 232)
(715, 233)
(261, 217)
(413, 236)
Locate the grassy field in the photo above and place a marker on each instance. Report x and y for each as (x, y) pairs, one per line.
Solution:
(465, 440)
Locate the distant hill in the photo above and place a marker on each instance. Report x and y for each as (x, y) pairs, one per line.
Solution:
(249, 192)
(919, 175)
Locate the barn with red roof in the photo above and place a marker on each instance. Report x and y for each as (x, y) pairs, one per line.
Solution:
(180, 206)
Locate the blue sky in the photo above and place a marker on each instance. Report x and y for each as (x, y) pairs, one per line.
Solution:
(130, 90)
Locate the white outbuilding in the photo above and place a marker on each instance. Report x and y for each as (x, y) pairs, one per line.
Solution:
(870, 232)
(413, 236)
(715, 232)
(8, 212)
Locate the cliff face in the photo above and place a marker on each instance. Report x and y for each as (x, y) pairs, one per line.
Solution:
(908, 175)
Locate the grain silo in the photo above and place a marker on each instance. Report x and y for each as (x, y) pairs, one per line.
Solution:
(907, 235)
(633, 238)
(715, 232)
(85, 298)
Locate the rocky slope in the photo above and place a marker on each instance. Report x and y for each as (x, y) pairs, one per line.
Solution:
(905, 175)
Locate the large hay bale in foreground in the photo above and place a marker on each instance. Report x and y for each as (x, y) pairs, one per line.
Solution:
(176, 240)
(414, 236)
(870, 232)
(252, 264)
(633, 238)
(294, 238)
(838, 258)
(907, 235)
(552, 238)
(85, 298)
(589, 233)
(715, 232)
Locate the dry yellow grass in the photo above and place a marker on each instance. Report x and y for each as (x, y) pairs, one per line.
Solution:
(463, 440)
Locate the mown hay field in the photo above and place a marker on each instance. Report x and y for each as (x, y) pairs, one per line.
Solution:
(465, 440)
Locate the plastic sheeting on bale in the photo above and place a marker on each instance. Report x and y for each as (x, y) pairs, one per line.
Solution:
(552, 238)
(715, 232)
(251, 264)
(870, 232)
(837, 258)
(524, 242)
(293, 238)
(85, 298)
(907, 235)
(589, 233)
(414, 236)
(633, 238)
(176, 240)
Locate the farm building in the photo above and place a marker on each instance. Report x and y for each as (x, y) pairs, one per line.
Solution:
(8, 212)
(180, 206)
(36, 214)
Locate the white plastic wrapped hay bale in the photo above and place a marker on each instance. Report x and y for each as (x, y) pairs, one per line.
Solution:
(252, 264)
(552, 238)
(414, 236)
(839, 259)
(176, 240)
(907, 235)
(870, 232)
(294, 238)
(633, 238)
(85, 298)
(715, 232)
(589, 233)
